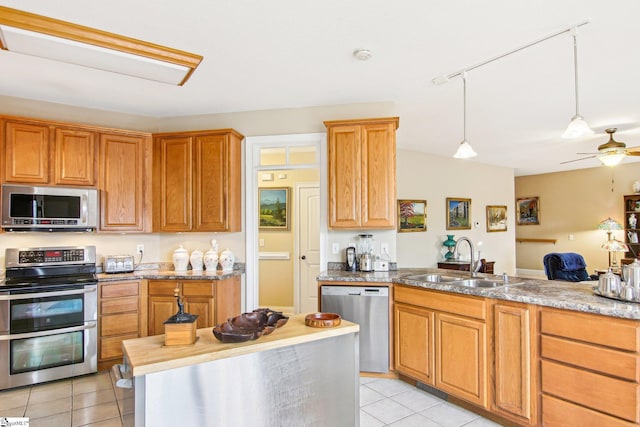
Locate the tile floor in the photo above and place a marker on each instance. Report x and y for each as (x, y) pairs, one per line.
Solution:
(94, 401)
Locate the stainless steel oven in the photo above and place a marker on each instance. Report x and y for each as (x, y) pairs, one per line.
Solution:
(48, 315)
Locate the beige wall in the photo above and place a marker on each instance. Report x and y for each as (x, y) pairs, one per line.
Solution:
(573, 203)
(276, 276)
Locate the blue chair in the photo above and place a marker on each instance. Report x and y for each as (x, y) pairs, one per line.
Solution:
(567, 266)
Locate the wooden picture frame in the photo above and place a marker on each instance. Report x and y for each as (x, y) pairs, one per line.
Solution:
(458, 214)
(528, 211)
(496, 218)
(412, 215)
(273, 205)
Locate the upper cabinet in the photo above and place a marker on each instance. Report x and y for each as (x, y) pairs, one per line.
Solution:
(43, 153)
(362, 173)
(124, 182)
(197, 181)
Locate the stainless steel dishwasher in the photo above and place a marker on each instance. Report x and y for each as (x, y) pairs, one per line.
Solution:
(369, 307)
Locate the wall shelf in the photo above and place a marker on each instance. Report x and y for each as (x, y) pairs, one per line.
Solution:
(527, 240)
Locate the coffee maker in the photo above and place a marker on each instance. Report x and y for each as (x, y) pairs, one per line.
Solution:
(352, 264)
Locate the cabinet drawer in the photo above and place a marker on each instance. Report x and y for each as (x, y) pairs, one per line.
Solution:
(607, 331)
(119, 289)
(112, 347)
(457, 304)
(162, 287)
(609, 395)
(118, 305)
(595, 358)
(558, 413)
(119, 324)
(197, 289)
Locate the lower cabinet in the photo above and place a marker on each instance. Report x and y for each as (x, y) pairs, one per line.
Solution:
(441, 339)
(590, 369)
(212, 300)
(122, 311)
(515, 362)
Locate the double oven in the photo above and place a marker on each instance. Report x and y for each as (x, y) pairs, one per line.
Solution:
(48, 315)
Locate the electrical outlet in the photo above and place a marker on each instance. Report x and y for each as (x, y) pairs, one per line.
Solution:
(335, 248)
(140, 248)
(384, 248)
(261, 242)
(570, 236)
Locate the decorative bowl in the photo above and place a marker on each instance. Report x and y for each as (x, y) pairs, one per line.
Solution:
(322, 320)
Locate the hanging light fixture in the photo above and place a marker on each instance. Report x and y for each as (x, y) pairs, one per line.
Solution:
(465, 151)
(577, 126)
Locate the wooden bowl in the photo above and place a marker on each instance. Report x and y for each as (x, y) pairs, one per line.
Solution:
(322, 320)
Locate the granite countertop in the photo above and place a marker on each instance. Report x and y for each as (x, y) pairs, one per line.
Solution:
(149, 354)
(551, 293)
(165, 274)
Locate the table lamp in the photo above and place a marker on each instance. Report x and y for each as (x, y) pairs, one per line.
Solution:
(612, 245)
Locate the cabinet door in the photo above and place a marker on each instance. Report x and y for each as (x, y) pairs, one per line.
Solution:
(160, 309)
(204, 308)
(461, 358)
(512, 328)
(123, 183)
(378, 175)
(173, 177)
(211, 183)
(26, 153)
(75, 157)
(227, 299)
(414, 342)
(345, 176)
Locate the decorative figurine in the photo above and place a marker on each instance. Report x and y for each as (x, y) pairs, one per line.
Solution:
(632, 220)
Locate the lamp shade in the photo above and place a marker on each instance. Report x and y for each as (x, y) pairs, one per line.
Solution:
(614, 245)
(465, 151)
(609, 225)
(577, 128)
(612, 158)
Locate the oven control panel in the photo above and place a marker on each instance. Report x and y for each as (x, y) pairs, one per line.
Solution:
(21, 257)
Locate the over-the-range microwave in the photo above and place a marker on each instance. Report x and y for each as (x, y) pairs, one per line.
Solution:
(31, 208)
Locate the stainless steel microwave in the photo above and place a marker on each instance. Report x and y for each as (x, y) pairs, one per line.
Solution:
(30, 208)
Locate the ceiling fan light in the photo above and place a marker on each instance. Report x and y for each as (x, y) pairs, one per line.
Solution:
(577, 128)
(465, 151)
(611, 159)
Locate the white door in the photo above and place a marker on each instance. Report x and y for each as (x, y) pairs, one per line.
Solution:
(308, 239)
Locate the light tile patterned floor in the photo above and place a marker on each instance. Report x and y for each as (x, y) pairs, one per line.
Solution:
(94, 401)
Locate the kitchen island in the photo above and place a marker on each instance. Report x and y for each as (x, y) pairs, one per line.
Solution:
(295, 376)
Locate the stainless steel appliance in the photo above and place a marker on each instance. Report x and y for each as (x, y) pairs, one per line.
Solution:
(48, 315)
(29, 208)
(368, 307)
(350, 254)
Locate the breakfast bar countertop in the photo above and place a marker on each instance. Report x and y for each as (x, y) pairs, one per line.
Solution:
(576, 296)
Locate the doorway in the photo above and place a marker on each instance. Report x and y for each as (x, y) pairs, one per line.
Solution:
(284, 162)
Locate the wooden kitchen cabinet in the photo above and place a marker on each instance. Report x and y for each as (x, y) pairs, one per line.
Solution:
(515, 362)
(197, 181)
(122, 311)
(414, 342)
(124, 182)
(214, 301)
(459, 334)
(41, 152)
(590, 369)
(362, 173)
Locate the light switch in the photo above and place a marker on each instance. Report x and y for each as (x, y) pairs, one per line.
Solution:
(335, 248)
(261, 242)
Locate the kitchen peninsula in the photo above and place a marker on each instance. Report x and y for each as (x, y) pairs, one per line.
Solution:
(297, 375)
(531, 352)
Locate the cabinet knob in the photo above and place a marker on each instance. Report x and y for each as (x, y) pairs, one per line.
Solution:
(303, 257)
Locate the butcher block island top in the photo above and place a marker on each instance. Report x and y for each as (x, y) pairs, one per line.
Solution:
(149, 355)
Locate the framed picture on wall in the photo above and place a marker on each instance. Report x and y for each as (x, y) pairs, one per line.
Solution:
(528, 211)
(458, 214)
(496, 218)
(274, 208)
(412, 215)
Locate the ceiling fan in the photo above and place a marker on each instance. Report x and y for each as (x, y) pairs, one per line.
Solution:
(611, 152)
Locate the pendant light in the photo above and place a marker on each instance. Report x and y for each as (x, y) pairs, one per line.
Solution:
(577, 126)
(465, 151)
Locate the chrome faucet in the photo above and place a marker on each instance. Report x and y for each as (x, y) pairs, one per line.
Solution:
(473, 267)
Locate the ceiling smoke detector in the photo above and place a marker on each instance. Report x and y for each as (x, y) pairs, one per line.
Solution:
(362, 54)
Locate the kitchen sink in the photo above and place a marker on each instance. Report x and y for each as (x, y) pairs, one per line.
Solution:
(483, 283)
(435, 278)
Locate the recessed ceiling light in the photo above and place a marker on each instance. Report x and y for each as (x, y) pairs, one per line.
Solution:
(362, 54)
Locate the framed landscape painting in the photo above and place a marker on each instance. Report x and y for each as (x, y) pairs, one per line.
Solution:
(528, 211)
(496, 218)
(274, 208)
(458, 214)
(412, 215)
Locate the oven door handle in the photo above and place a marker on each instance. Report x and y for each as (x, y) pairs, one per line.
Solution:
(12, 297)
(88, 325)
